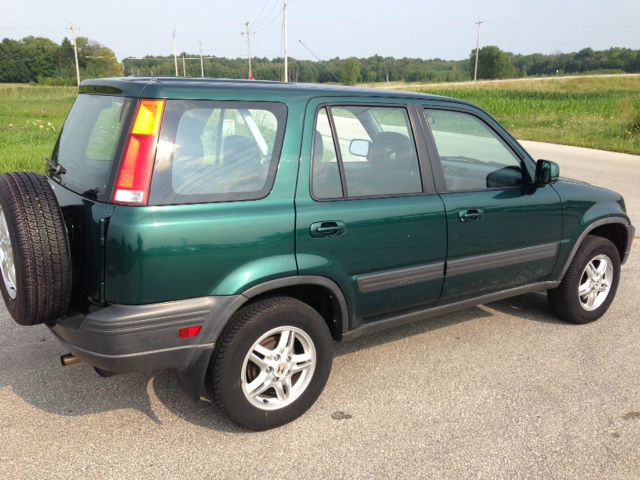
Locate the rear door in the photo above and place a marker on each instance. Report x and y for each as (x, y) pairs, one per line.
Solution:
(88, 150)
(502, 232)
(367, 213)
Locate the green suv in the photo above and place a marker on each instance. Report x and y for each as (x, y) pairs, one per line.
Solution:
(232, 230)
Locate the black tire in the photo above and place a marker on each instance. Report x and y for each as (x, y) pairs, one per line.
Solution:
(565, 301)
(40, 249)
(223, 380)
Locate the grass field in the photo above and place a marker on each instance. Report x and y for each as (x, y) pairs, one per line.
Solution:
(30, 119)
(597, 112)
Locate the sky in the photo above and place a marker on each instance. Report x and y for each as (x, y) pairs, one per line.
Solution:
(331, 28)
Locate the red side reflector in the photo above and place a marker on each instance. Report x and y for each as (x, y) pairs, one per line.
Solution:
(189, 332)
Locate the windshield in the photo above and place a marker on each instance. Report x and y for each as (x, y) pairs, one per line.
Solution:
(90, 142)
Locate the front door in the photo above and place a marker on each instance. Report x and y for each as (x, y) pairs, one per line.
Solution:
(502, 231)
(367, 216)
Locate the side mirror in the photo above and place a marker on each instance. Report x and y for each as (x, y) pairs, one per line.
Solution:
(547, 172)
(359, 147)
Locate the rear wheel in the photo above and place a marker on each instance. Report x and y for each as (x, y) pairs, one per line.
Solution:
(271, 363)
(35, 260)
(590, 284)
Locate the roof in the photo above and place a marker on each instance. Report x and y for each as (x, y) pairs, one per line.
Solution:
(166, 86)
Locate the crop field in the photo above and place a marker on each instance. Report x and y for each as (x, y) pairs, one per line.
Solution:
(596, 112)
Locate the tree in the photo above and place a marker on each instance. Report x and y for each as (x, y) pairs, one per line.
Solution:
(350, 71)
(492, 63)
(28, 59)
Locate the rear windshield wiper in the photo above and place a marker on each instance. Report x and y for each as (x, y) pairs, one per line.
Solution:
(54, 168)
(91, 193)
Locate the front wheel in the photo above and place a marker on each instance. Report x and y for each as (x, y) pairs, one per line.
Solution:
(271, 363)
(590, 284)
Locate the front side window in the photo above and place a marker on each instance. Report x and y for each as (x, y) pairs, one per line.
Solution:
(471, 154)
(363, 151)
(216, 151)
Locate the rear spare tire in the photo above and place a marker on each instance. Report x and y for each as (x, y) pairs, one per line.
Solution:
(35, 259)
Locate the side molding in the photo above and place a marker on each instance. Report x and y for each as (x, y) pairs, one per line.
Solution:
(396, 278)
(501, 259)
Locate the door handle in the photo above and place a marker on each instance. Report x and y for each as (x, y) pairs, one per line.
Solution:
(328, 228)
(471, 215)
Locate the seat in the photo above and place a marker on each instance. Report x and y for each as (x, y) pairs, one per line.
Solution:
(241, 170)
(326, 176)
(393, 166)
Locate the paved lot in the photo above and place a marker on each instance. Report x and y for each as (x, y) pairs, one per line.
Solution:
(499, 391)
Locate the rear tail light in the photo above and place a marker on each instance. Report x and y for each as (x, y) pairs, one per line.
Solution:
(134, 176)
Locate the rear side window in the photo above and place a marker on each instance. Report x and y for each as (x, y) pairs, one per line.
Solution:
(90, 143)
(364, 151)
(217, 151)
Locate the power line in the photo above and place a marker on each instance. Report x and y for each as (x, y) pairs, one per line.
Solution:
(264, 26)
(319, 60)
(267, 17)
(257, 19)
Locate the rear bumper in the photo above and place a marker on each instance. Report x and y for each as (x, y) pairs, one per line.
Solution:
(129, 338)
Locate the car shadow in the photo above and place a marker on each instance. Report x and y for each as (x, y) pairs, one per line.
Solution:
(530, 306)
(34, 374)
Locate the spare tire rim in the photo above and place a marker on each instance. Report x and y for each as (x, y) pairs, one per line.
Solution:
(278, 368)
(7, 264)
(595, 282)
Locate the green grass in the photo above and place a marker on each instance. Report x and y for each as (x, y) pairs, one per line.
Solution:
(596, 112)
(590, 112)
(30, 120)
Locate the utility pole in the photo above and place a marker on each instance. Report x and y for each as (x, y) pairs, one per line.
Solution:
(201, 61)
(75, 52)
(248, 34)
(475, 72)
(286, 42)
(184, 67)
(175, 54)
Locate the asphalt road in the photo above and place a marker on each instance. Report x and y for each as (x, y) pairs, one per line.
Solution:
(498, 391)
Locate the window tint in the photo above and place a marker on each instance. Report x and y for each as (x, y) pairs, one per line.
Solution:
(217, 151)
(471, 154)
(376, 152)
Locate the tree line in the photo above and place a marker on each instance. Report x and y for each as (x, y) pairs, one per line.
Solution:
(41, 60)
(36, 59)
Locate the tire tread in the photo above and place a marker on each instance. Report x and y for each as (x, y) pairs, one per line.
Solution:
(32, 211)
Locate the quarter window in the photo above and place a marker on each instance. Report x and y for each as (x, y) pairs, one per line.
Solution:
(471, 154)
(217, 151)
(362, 151)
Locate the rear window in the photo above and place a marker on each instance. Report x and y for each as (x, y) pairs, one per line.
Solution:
(212, 151)
(90, 143)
